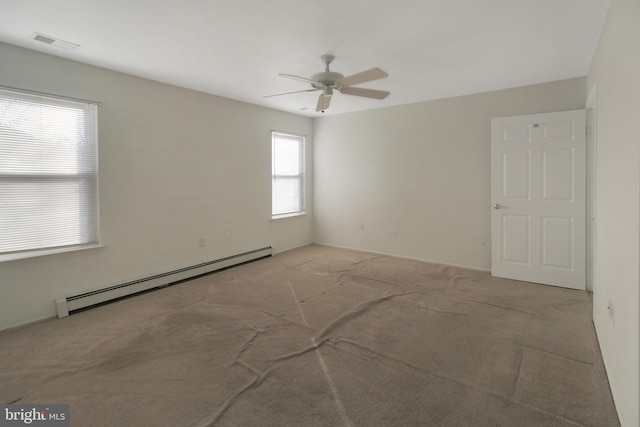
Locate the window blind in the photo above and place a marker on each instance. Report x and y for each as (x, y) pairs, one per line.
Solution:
(48, 172)
(287, 174)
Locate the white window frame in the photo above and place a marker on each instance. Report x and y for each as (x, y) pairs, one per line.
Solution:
(18, 169)
(299, 176)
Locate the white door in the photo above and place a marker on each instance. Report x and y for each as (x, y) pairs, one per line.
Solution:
(538, 197)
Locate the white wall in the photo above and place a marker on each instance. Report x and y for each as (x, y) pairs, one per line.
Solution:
(175, 166)
(615, 72)
(414, 180)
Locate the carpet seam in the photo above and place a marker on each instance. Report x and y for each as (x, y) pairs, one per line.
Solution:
(323, 366)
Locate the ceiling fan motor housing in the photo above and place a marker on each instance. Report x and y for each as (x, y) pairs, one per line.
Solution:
(327, 78)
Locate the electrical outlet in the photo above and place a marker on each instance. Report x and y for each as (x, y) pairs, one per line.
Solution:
(612, 315)
(202, 242)
(362, 226)
(227, 236)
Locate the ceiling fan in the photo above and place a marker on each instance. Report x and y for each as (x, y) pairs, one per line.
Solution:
(328, 81)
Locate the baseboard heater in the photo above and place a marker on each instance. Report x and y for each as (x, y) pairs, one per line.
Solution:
(67, 305)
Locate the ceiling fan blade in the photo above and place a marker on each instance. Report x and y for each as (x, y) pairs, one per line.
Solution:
(289, 93)
(323, 102)
(369, 93)
(302, 79)
(365, 76)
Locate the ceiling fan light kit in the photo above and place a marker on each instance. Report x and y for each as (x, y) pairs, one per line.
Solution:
(327, 81)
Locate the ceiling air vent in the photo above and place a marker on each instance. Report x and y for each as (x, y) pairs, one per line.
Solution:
(54, 41)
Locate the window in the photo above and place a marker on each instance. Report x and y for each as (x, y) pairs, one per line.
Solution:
(287, 155)
(48, 174)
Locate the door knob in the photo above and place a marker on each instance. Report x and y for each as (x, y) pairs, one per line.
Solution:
(497, 206)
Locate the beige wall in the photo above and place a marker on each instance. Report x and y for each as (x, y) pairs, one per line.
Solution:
(615, 75)
(175, 166)
(414, 180)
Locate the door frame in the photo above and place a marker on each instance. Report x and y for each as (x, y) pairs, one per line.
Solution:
(592, 153)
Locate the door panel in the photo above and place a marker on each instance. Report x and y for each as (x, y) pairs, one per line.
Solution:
(516, 167)
(557, 167)
(557, 243)
(516, 230)
(538, 196)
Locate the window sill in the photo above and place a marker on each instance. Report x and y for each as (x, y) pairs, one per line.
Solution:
(288, 215)
(42, 252)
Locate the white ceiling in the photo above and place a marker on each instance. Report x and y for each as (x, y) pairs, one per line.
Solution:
(236, 48)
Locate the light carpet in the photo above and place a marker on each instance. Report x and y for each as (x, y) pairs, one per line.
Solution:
(321, 336)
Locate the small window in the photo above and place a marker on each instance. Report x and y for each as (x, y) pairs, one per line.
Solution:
(287, 154)
(48, 174)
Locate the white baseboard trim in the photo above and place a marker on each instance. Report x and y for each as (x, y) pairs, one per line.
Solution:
(430, 261)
